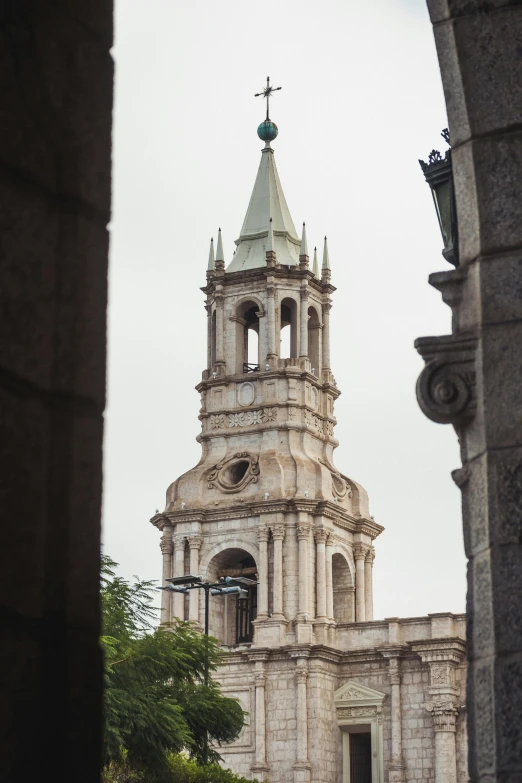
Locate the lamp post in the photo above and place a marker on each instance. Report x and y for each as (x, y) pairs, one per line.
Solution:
(228, 585)
(438, 173)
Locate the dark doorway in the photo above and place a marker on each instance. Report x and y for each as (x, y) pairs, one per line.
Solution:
(361, 758)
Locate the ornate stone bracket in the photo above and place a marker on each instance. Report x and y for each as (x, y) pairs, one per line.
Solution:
(446, 386)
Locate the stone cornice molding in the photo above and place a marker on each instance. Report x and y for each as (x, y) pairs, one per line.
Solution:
(444, 650)
(160, 520)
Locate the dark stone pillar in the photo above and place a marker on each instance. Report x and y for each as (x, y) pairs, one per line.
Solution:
(56, 77)
(473, 378)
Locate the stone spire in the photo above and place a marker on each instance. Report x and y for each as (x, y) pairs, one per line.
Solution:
(315, 268)
(220, 258)
(326, 273)
(211, 260)
(267, 202)
(304, 245)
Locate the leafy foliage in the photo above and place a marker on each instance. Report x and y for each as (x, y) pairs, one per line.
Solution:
(180, 769)
(156, 702)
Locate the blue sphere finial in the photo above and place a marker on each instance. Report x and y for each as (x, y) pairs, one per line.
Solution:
(267, 131)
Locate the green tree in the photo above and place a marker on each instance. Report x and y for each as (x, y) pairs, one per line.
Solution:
(156, 702)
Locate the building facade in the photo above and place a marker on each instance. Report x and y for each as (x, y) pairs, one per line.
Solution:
(332, 695)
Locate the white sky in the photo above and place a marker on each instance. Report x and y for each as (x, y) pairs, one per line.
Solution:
(361, 102)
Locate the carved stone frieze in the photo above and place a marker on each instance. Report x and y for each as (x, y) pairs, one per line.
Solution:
(234, 474)
(357, 712)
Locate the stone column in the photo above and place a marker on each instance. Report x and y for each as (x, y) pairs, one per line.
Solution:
(359, 552)
(326, 337)
(179, 570)
(260, 766)
(262, 604)
(278, 535)
(304, 324)
(220, 348)
(368, 583)
(167, 548)
(302, 765)
(271, 341)
(195, 543)
(321, 537)
(303, 536)
(444, 726)
(329, 581)
(396, 767)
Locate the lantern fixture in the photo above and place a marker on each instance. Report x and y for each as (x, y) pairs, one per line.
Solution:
(439, 176)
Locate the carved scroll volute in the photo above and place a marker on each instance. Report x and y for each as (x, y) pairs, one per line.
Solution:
(446, 386)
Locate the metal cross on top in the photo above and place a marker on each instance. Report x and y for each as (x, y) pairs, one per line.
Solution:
(267, 92)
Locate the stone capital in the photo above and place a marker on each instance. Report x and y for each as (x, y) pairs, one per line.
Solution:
(370, 555)
(321, 536)
(166, 545)
(259, 679)
(360, 551)
(278, 532)
(444, 715)
(301, 676)
(263, 534)
(303, 532)
(179, 544)
(195, 542)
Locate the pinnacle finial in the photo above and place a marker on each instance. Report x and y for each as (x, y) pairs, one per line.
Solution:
(304, 246)
(315, 268)
(326, 257)
(219, 252)
(211, 258)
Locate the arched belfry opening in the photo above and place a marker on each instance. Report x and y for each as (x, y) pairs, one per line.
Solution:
(230, 616)
(247, 337)
(314, 340)
(288, 328)
(213, 344)
(343, 590)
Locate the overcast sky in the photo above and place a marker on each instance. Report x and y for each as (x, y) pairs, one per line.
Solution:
(361, 102)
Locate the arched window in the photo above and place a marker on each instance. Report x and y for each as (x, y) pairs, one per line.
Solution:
(288, 328)
(314, 340)
(230, 617)
(247, 338)
(343, 592)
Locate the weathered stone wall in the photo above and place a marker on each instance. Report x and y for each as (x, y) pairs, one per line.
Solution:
(55, 171)
(479, 45)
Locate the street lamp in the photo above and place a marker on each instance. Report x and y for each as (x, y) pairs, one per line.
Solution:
(439, 176)
(228, 585)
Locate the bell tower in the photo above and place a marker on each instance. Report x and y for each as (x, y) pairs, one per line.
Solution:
(266, 499)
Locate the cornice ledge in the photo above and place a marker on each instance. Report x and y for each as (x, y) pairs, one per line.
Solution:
(444, 649)
(190, 515)
(160, 519)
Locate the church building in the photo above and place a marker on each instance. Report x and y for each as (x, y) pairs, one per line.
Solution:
(332, 694)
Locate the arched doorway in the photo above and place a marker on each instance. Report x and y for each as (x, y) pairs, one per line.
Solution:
(288, 329)
(230, 616)
(247, 337)
(343, 590)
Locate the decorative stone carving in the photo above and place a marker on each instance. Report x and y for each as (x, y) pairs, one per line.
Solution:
(340, 486)
(301, 675)
(234, 474)
(246, 394)
(303, 531)
(217, 422)
(446, 386)
(444, 715)
(360, 551)
(278, 532)
(236, 419)
(166, 545)
(254, 417)
(269, 414)
(195, 542)
(357, 712)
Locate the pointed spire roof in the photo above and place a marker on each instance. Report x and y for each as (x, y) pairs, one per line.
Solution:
(304, 246)
(315, 268)
(219, 252)
(211, 259)
(326, 258)
(267, 201)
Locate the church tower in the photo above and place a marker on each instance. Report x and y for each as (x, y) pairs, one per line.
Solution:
(266, 500)
(331, 694)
